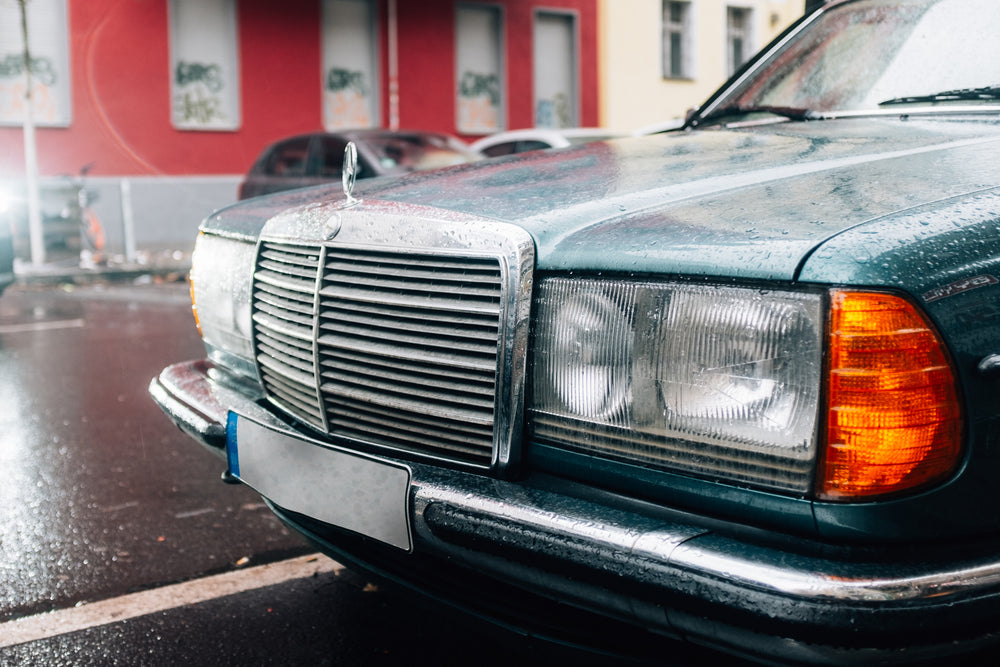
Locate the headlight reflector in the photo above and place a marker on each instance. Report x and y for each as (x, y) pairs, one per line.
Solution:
(718, 381)
(591, 344)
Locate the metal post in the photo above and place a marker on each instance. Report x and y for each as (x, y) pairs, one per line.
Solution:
(128, 220)
(36, 237)
(393, 39)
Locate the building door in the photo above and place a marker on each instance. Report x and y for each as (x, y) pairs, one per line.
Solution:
(555, 69)
(350, 67)
(479, 55)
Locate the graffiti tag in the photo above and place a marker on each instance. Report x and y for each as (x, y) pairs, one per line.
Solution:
(554, 112)
(474, 84)
(189, 73)
(338, 80)
(194, 107)
(42, 69)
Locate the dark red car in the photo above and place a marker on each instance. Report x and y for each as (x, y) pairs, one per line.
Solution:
(314, 159)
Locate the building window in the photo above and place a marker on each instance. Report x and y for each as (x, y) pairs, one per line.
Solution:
(204, 82)
(478, 58)
(48, 42)
(677, 36)
(350, 65)
(739, 43)
(555, 70)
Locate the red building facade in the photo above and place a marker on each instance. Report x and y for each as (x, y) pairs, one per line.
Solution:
(134, 107)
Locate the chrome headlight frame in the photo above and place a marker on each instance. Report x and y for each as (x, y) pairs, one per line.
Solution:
(221, 281)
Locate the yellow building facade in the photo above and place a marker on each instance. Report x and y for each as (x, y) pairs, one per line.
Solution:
(659, 58)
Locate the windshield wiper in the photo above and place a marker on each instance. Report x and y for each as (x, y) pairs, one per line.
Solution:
(961, 95)
(791, 113)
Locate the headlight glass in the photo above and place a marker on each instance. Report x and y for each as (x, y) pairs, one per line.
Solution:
(712, 380)
(221, 276)
(591, 340)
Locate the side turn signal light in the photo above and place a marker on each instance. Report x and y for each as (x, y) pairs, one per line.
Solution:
(894, 420)
(194, 304)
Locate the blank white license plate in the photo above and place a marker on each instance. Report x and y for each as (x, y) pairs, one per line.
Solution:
(362, 494)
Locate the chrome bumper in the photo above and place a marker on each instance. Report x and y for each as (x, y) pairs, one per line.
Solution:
(463, 517)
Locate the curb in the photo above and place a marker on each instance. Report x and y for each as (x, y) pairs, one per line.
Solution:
(170, 266)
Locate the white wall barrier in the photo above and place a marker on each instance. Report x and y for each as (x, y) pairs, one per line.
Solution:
(136, 212)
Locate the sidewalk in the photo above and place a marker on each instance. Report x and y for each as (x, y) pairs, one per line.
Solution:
(161, 264)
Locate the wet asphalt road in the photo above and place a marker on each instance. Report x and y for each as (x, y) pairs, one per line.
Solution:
(102, 497)
(100, 493)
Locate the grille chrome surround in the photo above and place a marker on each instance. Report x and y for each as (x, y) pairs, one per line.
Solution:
(414, 349)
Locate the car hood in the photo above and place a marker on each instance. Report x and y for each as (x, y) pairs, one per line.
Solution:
(752, 203)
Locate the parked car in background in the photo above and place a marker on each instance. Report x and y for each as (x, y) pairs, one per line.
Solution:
(314, 159)
(736, 384)
(539, 138)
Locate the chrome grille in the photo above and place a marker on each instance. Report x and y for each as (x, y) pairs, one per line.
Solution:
(399, 349)
(408, 349)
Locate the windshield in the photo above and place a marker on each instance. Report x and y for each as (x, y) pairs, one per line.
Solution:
(860, 55)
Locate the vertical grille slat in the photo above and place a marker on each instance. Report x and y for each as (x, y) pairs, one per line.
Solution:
(403, 348)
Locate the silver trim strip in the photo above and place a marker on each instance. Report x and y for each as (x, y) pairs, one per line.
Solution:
(670, 557)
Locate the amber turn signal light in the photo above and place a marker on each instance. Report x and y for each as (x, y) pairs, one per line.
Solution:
(894, 420)
(194, 304)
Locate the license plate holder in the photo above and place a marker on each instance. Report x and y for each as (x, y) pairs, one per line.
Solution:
(363, 494)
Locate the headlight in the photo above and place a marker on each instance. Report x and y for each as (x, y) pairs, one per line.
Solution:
(221, 275)
(719, 381)
(592, 339)
(730, 384)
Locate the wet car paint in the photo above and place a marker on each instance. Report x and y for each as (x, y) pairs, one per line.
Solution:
(741, 204)
(886, 203)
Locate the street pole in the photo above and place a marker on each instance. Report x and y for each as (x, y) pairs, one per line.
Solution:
(393, 39)
(35, 235)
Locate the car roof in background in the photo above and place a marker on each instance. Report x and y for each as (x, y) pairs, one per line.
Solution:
(556, 137)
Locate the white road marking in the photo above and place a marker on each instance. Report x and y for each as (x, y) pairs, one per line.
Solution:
(194, 513)
(123, 506)
(134, 605)
(28, 327)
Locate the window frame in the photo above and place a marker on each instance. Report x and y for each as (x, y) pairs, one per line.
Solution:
(575, 74)
(203, 80)
(745, 32)
(501, 105)
(373, 99)
(684, 30)
(58, 92)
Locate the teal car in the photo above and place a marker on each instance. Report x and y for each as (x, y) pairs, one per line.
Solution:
(735, 383)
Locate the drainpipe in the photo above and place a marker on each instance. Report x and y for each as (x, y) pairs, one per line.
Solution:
(393, 38)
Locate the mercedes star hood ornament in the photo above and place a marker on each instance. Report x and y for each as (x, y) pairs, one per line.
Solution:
(349, 173)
